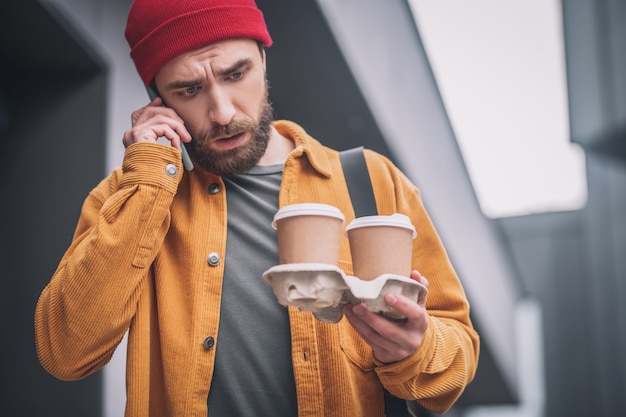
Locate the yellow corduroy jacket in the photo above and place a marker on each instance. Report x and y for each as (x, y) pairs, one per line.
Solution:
(138, 263)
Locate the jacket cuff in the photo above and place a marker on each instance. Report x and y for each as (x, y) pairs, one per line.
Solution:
(401, 372)
(152, 164)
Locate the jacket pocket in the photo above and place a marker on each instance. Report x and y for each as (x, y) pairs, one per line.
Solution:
(355, 348)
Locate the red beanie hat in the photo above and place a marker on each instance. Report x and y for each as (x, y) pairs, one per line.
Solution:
(160, 30)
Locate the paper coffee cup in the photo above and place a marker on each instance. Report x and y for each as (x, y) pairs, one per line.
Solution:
(381, 245)
(308, 233)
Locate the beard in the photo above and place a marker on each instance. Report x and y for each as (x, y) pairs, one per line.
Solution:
(240, 159)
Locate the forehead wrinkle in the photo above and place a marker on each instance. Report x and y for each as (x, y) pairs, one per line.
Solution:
(208, 63)
(190, 75)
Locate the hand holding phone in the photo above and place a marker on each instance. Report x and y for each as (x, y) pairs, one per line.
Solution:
(185, 155)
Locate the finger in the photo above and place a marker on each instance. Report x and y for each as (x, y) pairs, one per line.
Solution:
(389, 341)
(150, 111)
(135, 116)
(378, 330)
(400, 304)
(366, 323)
(415, 313)
(151, 134)
(421, 298)
(415, 274)
(150, 125)
(156, 108)
(161, 115)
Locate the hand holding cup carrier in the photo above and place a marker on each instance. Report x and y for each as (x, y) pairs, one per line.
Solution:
(308, 277)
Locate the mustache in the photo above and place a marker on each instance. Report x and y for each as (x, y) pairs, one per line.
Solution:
(231, 129)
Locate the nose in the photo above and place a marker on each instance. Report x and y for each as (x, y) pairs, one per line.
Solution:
(221, 107)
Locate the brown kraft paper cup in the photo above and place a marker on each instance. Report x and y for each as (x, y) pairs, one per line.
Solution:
(308, 233)
(381, 245)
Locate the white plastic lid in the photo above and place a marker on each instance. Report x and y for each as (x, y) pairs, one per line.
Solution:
(308, 209)
(394, 220)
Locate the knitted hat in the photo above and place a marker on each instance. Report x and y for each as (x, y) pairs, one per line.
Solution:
(160, 30)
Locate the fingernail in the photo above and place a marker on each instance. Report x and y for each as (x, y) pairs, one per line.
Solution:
(391, 299)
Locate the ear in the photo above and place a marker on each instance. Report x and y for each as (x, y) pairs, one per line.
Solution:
(263, 59)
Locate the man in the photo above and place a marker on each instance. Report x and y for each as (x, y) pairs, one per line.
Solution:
(175, 256)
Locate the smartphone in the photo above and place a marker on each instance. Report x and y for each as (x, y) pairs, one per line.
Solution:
(185, 155)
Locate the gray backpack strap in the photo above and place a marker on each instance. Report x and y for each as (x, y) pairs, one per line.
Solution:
(364, 204)
(359, 182)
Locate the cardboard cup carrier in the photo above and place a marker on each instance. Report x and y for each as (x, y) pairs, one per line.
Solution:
(381, 245)
(308, 233)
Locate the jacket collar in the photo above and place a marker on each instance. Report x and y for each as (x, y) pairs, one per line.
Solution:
(305, 144)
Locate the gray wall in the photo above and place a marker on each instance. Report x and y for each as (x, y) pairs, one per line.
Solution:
(53, 88)
(575, 263)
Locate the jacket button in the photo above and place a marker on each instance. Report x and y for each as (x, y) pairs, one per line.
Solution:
(214, 188)
(214, 258)
(171, 170)
(208, 343)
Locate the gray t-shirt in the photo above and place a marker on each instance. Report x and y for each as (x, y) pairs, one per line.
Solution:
(253, 370)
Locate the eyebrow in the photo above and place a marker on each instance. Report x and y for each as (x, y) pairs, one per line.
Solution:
(178, 84)
(235, 67)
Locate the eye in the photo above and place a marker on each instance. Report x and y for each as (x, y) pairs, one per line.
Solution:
(190, 91)
(237, 75)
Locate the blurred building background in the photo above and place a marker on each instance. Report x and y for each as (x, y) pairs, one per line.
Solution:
(548, 289)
